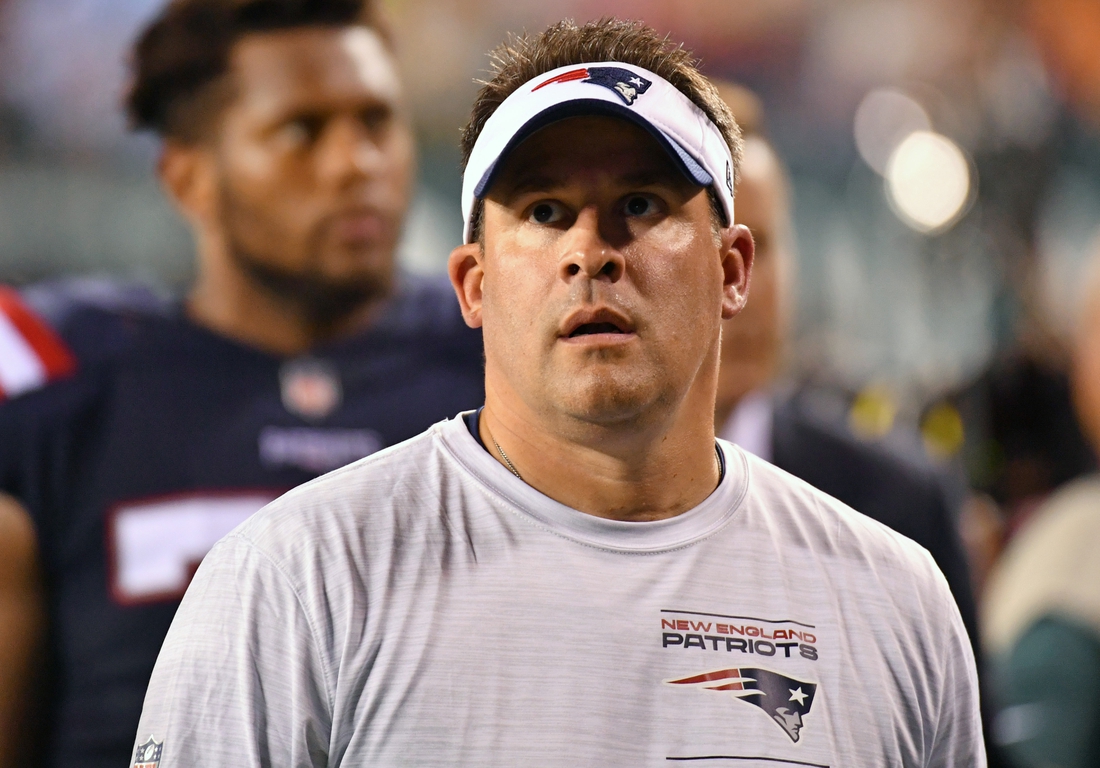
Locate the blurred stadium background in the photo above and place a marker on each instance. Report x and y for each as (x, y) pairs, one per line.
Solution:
(944, 155)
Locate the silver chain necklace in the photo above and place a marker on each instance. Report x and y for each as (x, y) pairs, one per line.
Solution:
(504, 456)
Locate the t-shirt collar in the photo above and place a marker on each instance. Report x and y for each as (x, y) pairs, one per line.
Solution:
(685, 529)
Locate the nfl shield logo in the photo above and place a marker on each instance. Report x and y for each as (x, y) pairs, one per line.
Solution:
(310, 388)
(147, 755)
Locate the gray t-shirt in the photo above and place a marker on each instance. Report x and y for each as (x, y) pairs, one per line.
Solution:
(424, 607)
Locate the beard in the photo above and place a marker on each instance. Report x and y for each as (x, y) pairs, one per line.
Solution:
(323, 301)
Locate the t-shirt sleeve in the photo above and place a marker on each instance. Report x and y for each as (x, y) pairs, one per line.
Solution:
(240, 678)
(46, 439)
(31, 458)
(9, 449)
(957, 739)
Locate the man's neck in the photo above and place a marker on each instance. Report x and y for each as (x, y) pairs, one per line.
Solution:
(620, 473)
(230, 303)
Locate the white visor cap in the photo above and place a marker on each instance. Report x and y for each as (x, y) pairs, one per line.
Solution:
(602, 88)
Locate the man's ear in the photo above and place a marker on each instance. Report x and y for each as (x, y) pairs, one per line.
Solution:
(467, 276)
(737, 253)
(188, 174)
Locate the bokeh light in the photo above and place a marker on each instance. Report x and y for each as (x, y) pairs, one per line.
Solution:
(873, 412)
(943, 431)
(928, 181)
(884, 119)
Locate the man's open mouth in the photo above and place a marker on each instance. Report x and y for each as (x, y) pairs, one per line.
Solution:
(596, 322)
(588, 329)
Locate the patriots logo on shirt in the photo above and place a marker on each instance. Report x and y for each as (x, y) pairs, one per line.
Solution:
(147, 755)
(626, 84)
(785, 699)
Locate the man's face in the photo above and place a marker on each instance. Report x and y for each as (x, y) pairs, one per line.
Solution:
(604, 276)
(752, 342)
(315, 156)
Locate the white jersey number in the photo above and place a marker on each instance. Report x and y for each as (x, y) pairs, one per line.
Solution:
(156, 544)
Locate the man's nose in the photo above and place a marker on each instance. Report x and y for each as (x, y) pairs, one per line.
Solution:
(586, 252)
(349, 153)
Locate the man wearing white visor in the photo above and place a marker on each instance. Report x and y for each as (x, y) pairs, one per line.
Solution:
(578, 574)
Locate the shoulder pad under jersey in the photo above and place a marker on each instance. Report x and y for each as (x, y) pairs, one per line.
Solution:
(49, 330)
(31, 353)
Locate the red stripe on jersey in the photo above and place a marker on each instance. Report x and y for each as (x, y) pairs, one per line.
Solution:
(52, 352)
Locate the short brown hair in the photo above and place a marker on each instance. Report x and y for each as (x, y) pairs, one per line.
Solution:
(523, 57)
(184, 53)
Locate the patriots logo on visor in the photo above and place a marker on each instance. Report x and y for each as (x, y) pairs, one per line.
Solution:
(628, 85)
(787, 700)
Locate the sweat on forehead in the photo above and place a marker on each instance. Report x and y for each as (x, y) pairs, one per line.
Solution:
(615, 89)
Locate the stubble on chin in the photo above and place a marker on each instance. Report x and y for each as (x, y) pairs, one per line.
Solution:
(325, 302)
(606, 393)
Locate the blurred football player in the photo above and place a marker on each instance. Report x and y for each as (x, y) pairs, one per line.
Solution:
(155, 429)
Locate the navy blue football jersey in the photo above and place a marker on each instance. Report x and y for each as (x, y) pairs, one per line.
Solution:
(164, 439)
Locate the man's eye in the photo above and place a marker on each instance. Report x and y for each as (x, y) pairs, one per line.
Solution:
(640, 205)
(302, 130)
(546, 213)
(376, 118)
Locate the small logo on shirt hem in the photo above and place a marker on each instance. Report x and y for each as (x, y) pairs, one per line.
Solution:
(147, 755)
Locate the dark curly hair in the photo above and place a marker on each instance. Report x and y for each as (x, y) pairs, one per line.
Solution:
(179, 61)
